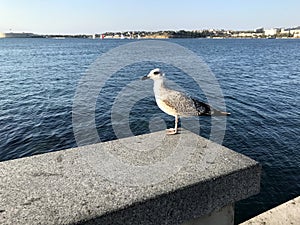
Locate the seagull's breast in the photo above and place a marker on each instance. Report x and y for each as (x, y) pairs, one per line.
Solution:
(166, 106)
(173, 102)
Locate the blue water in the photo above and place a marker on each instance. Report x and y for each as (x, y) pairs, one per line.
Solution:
(260, 80)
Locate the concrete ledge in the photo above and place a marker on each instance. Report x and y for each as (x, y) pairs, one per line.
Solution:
(284, 214)
(64, 188)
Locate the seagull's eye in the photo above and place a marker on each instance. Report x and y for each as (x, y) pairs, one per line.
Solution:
(156, 73)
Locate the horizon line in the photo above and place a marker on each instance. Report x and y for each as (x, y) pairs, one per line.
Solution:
(160, 30)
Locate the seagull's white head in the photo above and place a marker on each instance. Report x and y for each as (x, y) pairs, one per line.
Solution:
(154, 75)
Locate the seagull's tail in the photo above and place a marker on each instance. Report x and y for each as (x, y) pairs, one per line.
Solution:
(204, 109)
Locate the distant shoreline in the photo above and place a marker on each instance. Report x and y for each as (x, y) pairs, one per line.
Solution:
(260, 33)
(150, 38)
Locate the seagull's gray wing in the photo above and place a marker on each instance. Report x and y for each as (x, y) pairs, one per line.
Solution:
(187, 106)
(182, 104)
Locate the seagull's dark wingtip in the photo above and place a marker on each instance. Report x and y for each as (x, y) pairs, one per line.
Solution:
(225, 113)
(220, 113)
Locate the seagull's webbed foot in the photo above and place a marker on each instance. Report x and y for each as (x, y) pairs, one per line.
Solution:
(171, 131)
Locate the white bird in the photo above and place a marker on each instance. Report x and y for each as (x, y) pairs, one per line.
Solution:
(176, 103)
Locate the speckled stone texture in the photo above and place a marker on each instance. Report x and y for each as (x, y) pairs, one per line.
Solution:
(67, 187)
(285, 214)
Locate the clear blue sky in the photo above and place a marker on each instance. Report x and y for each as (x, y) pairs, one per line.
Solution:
(96, 16)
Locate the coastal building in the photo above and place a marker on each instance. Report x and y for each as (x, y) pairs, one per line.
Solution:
(284, 31)
(259, 30)
(295, 32)
(271, 32)
(290, 32)
(117, 36)
(108, 36)
(247, 35)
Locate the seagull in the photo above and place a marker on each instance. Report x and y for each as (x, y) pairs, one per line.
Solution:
(176, 103)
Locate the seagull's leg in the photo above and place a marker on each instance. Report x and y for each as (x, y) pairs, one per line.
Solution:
(176, 124)
(173, 130)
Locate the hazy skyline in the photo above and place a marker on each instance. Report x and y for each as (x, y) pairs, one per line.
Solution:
(97, 16)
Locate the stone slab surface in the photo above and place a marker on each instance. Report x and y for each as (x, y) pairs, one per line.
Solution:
(284, 214)
(110, 183)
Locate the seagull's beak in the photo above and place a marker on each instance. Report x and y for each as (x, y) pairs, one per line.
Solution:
(145, 77)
